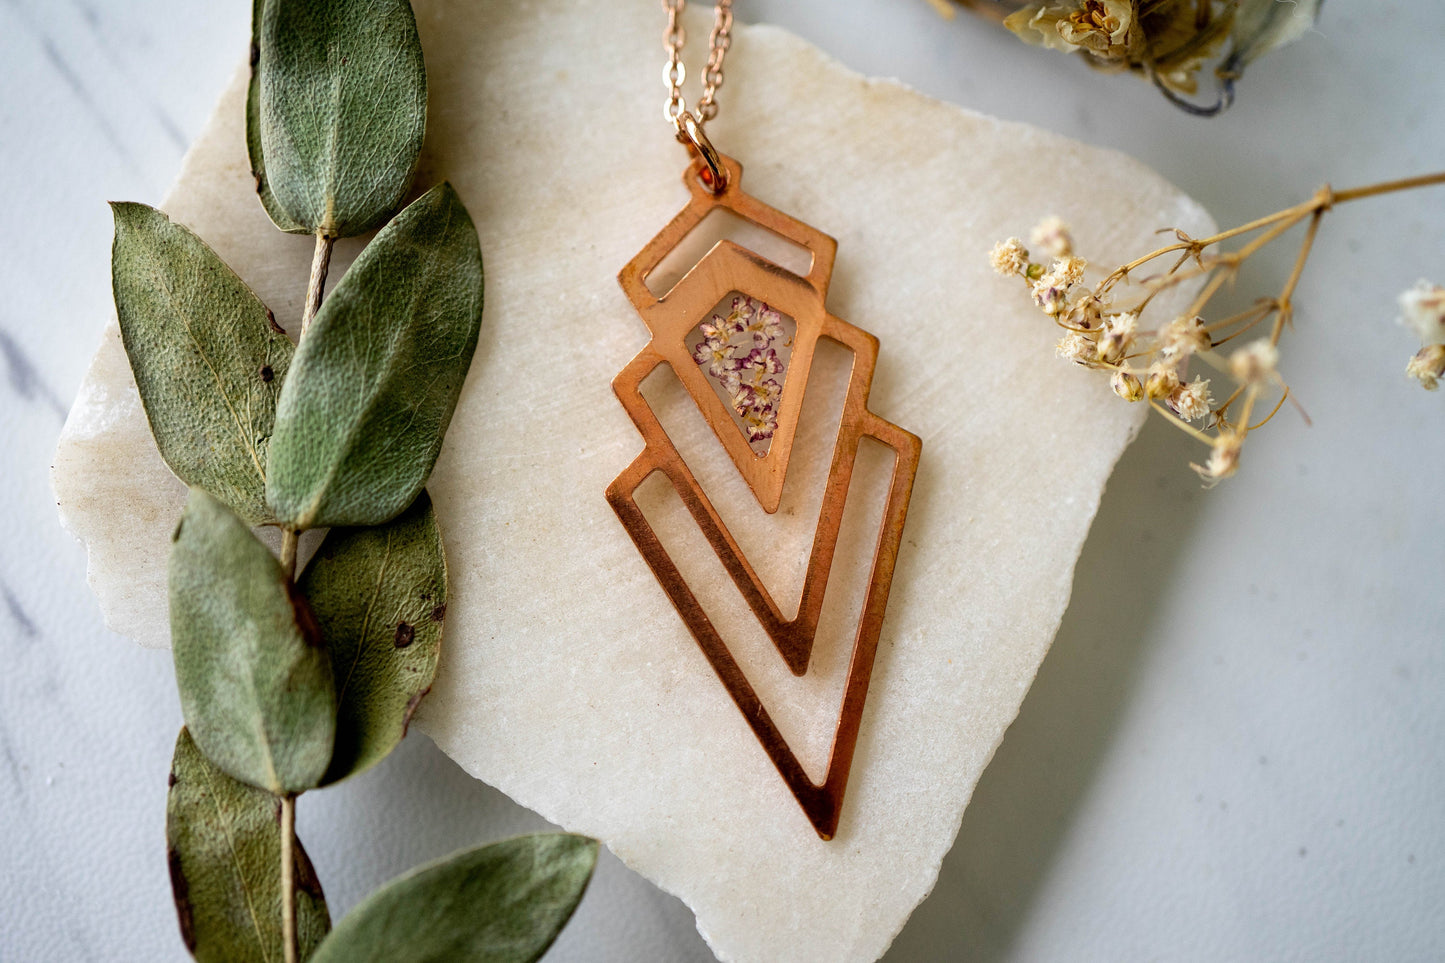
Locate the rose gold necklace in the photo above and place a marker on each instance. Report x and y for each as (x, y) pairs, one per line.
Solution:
(739, 331)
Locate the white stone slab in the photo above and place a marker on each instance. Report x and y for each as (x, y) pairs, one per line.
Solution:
(568, 680)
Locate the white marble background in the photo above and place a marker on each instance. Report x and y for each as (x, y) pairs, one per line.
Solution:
(1234, 750)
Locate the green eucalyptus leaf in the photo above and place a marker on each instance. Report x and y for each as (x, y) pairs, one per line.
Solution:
(255, 682)
(379, 595)
(503, 903)
(224, 848)
(341, 91)
(257, 156)
(208, 359)
(373, 386)
(1261, 26)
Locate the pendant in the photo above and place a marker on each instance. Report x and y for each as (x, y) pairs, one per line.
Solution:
(739, 332)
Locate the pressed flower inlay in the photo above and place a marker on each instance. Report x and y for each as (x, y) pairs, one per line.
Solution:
(744, 348)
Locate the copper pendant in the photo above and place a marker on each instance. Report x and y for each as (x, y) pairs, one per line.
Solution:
(739, 332)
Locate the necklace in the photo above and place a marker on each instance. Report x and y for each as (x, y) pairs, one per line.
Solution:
(739, 331)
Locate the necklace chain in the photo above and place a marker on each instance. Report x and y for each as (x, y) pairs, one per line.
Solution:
(673, 40)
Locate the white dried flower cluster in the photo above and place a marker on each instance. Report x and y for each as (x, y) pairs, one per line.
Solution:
(1255, 362)
(1428, 366)
(1192, 401)
(1150, 365)
(1223, 458)
(1183, 337)
(1422, 309)
(1051, 293)
(1009, 258)
(1094, 336)
(1052, 236)
(1116, 337)
(1075, 347)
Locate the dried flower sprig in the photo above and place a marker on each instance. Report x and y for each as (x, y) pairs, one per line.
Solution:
(1165, 41)
(1152, 363)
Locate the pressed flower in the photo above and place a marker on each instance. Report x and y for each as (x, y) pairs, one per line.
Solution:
(764, 359)
(715, 352)
(763, 325)
(769, 390)
(742, 312)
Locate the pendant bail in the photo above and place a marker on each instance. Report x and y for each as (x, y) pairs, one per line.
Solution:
(714, 175)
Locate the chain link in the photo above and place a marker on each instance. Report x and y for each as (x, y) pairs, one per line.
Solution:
(674, 38)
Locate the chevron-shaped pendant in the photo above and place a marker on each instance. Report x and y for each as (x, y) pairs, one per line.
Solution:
(740, 331)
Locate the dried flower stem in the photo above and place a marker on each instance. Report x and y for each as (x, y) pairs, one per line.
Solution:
(1389, 187)
(288, 878)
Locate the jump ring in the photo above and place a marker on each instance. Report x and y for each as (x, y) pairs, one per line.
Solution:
(714, 174)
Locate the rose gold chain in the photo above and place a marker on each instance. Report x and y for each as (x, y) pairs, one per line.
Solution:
(674, 74)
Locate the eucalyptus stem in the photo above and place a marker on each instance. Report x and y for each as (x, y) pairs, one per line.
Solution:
(288, 877)
(316, 286)
(315, 290)
(289, 539)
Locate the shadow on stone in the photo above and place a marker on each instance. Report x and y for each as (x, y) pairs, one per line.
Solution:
(1026, 799)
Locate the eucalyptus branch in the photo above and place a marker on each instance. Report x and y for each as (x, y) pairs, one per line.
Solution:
(1152, 363)
(312, 436)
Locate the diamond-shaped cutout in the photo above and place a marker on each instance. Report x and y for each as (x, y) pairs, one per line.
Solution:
(744, 348)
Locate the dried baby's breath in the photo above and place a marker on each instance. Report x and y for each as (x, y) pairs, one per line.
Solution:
(1428, 366)
(1149, 358)
(1009, 258)
(1422, 309)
